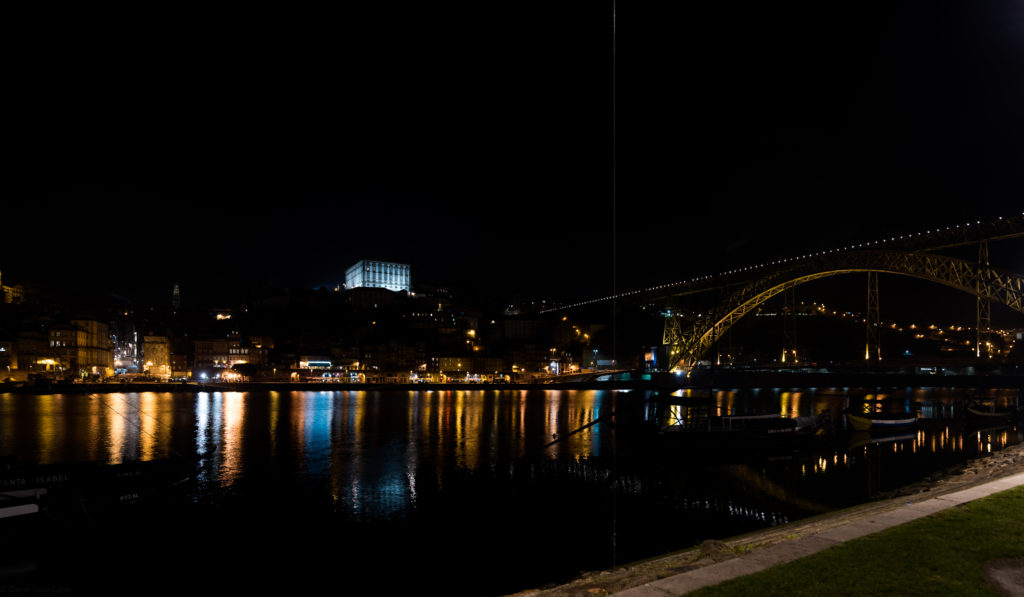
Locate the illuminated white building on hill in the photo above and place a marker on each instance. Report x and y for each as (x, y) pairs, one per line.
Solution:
(378, 274)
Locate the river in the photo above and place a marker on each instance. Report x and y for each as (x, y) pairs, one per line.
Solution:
(459, 492)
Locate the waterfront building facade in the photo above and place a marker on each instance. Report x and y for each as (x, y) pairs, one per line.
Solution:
(213, 353)
(156, 356)
(97, 353)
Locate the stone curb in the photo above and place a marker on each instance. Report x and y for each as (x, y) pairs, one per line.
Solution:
(792, 549)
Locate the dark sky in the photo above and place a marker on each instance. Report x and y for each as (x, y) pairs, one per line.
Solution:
(474, 140)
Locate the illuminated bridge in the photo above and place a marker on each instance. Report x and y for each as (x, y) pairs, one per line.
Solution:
(744, 289)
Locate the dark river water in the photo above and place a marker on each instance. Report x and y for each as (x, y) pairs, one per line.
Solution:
(451, 492)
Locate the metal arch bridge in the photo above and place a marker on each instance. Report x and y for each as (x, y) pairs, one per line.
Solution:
(985, 282)
(904, 255)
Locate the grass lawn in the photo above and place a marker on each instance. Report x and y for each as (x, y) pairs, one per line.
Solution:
(940, 554)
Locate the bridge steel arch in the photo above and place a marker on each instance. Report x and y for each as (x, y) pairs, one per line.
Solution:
(688, 345)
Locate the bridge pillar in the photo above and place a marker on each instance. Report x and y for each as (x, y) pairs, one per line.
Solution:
(672, 338)
(984, 307)
(789, 355)
(872, 349)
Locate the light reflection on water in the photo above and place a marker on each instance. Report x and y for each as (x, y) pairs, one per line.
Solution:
(335, 434)
(370, 445)
(373, 449)
(388, 455)
(229, 440)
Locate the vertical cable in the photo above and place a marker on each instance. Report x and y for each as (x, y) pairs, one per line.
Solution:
(615, 288)
(615, 285)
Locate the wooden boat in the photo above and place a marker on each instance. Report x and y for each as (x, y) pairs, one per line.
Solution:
(773, 423)
(863, 422)
(20, 502)
(988, 412)
(746, 427)
(767, 424)
(69, 489)
(859, 439)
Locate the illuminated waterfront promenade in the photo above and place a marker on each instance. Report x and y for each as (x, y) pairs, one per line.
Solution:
(721, 378)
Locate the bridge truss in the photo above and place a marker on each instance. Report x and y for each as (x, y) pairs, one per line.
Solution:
(687, 344)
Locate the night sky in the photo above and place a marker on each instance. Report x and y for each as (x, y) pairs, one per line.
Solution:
(227, 150)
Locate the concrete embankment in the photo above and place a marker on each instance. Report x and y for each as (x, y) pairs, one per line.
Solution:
(700, 381)
(106, 388)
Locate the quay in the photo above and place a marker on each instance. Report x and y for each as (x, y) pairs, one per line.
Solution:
(715, 562)
(661, 381)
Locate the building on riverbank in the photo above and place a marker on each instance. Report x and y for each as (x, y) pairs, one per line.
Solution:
(82, 348)
(98, 350)
(378, 274)
(156, 354)
(8, 358)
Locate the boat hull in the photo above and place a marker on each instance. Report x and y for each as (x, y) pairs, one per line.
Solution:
(983, 415)
(863, 423)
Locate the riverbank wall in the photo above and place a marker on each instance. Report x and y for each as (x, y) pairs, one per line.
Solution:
(700, 381)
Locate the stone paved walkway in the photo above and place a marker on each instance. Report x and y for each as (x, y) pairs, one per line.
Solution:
(787, 551)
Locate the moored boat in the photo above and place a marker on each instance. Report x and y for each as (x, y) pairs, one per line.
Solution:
(745, 426)
(91, 487)
(768, 424)
(859, 439)
(864, 422)
(980, 411)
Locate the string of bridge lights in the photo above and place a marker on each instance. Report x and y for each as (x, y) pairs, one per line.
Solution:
(769, 263)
